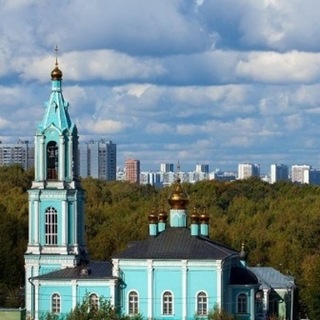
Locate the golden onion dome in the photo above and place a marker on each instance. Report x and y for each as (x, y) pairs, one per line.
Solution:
(163, 216)
(56, 73)
(153, 218)
(204, 217)
(194, 216)
(178, 199)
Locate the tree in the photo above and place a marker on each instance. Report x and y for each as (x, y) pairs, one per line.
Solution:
(219, 314)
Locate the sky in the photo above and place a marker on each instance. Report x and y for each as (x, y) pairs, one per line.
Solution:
(189, 81)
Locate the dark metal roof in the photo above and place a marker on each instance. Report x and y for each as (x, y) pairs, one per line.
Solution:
(272, 278)
(93, 270)
(241, 275)
(176, 243)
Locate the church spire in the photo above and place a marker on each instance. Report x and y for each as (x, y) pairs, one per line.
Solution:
(57, 137)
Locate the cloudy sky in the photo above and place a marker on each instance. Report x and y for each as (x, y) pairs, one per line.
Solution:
(194, 81)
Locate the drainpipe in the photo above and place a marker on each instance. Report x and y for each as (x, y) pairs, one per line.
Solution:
(33, 298)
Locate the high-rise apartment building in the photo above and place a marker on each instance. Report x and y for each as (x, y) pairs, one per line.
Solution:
(132, 168)
(247, 170)
(166, 167)
(98, 159)
(21, 153)
(204, 168)
(300, 173)
(279, 172)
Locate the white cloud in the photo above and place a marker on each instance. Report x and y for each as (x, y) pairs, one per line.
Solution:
(274, 67)
(210, 81)
(102, 127)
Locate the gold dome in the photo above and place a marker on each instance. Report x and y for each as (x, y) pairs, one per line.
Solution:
(204, 217)
(153, 218)
(163, 216)
(178, 199)
(56, 73)
(194, 216)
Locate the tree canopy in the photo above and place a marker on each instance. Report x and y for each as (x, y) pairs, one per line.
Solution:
(279, 223)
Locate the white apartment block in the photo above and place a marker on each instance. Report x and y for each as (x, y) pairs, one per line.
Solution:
(247, 170)
(202, 168)
(279, 172)
(300, 173)
(166, 167)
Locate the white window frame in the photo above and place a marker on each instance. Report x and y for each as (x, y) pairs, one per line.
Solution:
(51, 226)
(55, 303)
(203, 311)
(167, 306)
(133, 302)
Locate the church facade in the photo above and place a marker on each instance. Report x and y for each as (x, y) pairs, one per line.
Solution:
(178, 272)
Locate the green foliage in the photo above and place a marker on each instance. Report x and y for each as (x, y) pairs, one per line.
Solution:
(279, 223)
(219, 314)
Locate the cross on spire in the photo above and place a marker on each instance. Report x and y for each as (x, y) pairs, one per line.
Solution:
(56, 52)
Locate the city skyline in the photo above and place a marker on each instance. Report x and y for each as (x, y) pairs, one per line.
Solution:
(195, 82)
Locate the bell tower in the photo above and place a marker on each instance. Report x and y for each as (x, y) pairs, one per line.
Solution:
(56, 199)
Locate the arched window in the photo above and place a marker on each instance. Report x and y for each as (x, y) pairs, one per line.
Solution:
(51, 226)
(55, 303)
(202, 304)
(167, 303)
(133, 301)
(242, 303)
(52, 161)
(94, 302)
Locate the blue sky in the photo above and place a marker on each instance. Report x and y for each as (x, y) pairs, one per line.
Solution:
(194, 81)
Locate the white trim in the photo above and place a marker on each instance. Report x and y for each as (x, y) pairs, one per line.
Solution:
(162, 303)
(128, 301)
(61, 164)
(219, 283)
(184, 287)
(74, 293)
(150, 289)
(64, 223)
(36, 222)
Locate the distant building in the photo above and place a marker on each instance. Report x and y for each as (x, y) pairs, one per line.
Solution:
(279, 172)
(223, 175)
(132, 168)
(299, 173)
(202, 168)
(312, 176)
(151, 177)
(247, 170)
(98, 159)
(21, 153)
(166, 167)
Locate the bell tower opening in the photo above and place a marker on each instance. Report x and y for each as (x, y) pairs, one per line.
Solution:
(52, 161)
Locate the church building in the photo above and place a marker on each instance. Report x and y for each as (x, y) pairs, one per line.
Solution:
(177, 273)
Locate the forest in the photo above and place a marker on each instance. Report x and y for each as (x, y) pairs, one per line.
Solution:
(278, 223)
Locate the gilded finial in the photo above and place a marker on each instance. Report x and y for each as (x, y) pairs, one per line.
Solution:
(194, 216)
(56, 73)
(56, 51)
(242, 254)
(204, 217)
